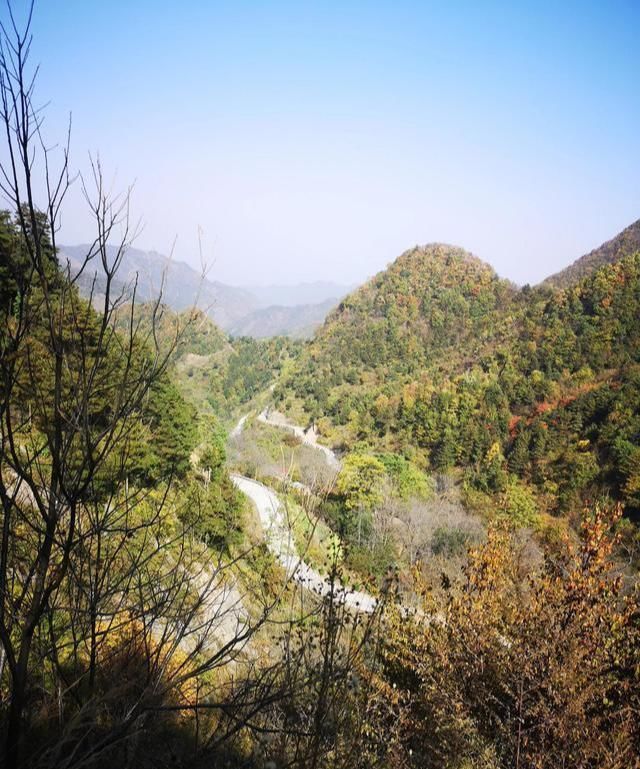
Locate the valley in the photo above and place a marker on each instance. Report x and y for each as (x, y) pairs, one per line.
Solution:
(281, 519)
(294, 311)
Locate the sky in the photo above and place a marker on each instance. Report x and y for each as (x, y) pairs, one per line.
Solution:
(319, 140)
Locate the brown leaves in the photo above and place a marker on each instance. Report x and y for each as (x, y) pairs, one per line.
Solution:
(543, 677)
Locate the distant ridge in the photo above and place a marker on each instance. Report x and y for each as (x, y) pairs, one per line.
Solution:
(294, 310)
(623, 244)
(298, 322)
(183, 286)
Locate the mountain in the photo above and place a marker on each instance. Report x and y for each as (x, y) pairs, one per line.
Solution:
(625, 243)
(297, 322)
(532, 394)
(295, 310)
(431, 298)
(183, 286)
(317, 292)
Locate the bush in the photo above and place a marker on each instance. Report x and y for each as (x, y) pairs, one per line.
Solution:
(519, 504)
(449, 541)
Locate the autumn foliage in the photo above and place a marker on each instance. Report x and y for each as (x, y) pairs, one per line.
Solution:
(534, 673)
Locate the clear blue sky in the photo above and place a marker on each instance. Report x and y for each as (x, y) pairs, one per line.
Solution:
(320, 140)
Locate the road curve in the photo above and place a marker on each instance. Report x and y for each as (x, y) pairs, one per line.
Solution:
(280, 543)
(310, 437)
(239, 427)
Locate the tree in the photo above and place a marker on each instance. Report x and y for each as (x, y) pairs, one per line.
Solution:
(95, 568)
(360, 482)
(72, 385)
(534, 673)
(518, 460)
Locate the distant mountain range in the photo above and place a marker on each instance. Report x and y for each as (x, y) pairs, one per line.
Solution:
(294, 310)
(298, 322)
(265, 311)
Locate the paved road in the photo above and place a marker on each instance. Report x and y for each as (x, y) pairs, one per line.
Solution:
(310, 437)
(279, 541)
(239, 427)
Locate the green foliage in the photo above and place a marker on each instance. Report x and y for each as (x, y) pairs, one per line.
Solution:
(407, 480)
(438, 359)
(519, 504)
(160, 437)
(173, 425)
(373, 559)
(360, 482)
(212, 510)
(393, 326)
(254, 365)
(15, 266)
(628, 457)
(214, 373)
(212, 452)
(449, 542)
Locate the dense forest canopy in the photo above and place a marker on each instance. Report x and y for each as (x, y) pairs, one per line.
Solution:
(440, 359)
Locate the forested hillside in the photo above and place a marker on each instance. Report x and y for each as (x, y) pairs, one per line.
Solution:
(140, 622)
(113, 492)
(215, 373)
(430, 299)
(440, 359)
(625, 243)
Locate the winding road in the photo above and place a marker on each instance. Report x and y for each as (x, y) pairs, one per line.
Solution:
(309, 437)
(278, 533)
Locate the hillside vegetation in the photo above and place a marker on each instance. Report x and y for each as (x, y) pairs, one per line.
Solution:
(623, 244)
(153, 616)
(441, 360)
(143, 617)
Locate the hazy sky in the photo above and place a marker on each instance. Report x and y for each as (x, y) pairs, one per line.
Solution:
(320, 140)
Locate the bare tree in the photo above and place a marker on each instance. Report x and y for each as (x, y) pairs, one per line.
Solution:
(107, 606)
(74, 381)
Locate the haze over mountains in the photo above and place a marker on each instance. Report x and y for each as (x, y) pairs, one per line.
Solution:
(259, 311)
(277, 309)
(298, 322)
(316, 292)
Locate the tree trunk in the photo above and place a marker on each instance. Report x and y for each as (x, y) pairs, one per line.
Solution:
(14, 738)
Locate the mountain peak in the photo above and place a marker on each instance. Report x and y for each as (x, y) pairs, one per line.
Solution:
(444, 252)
